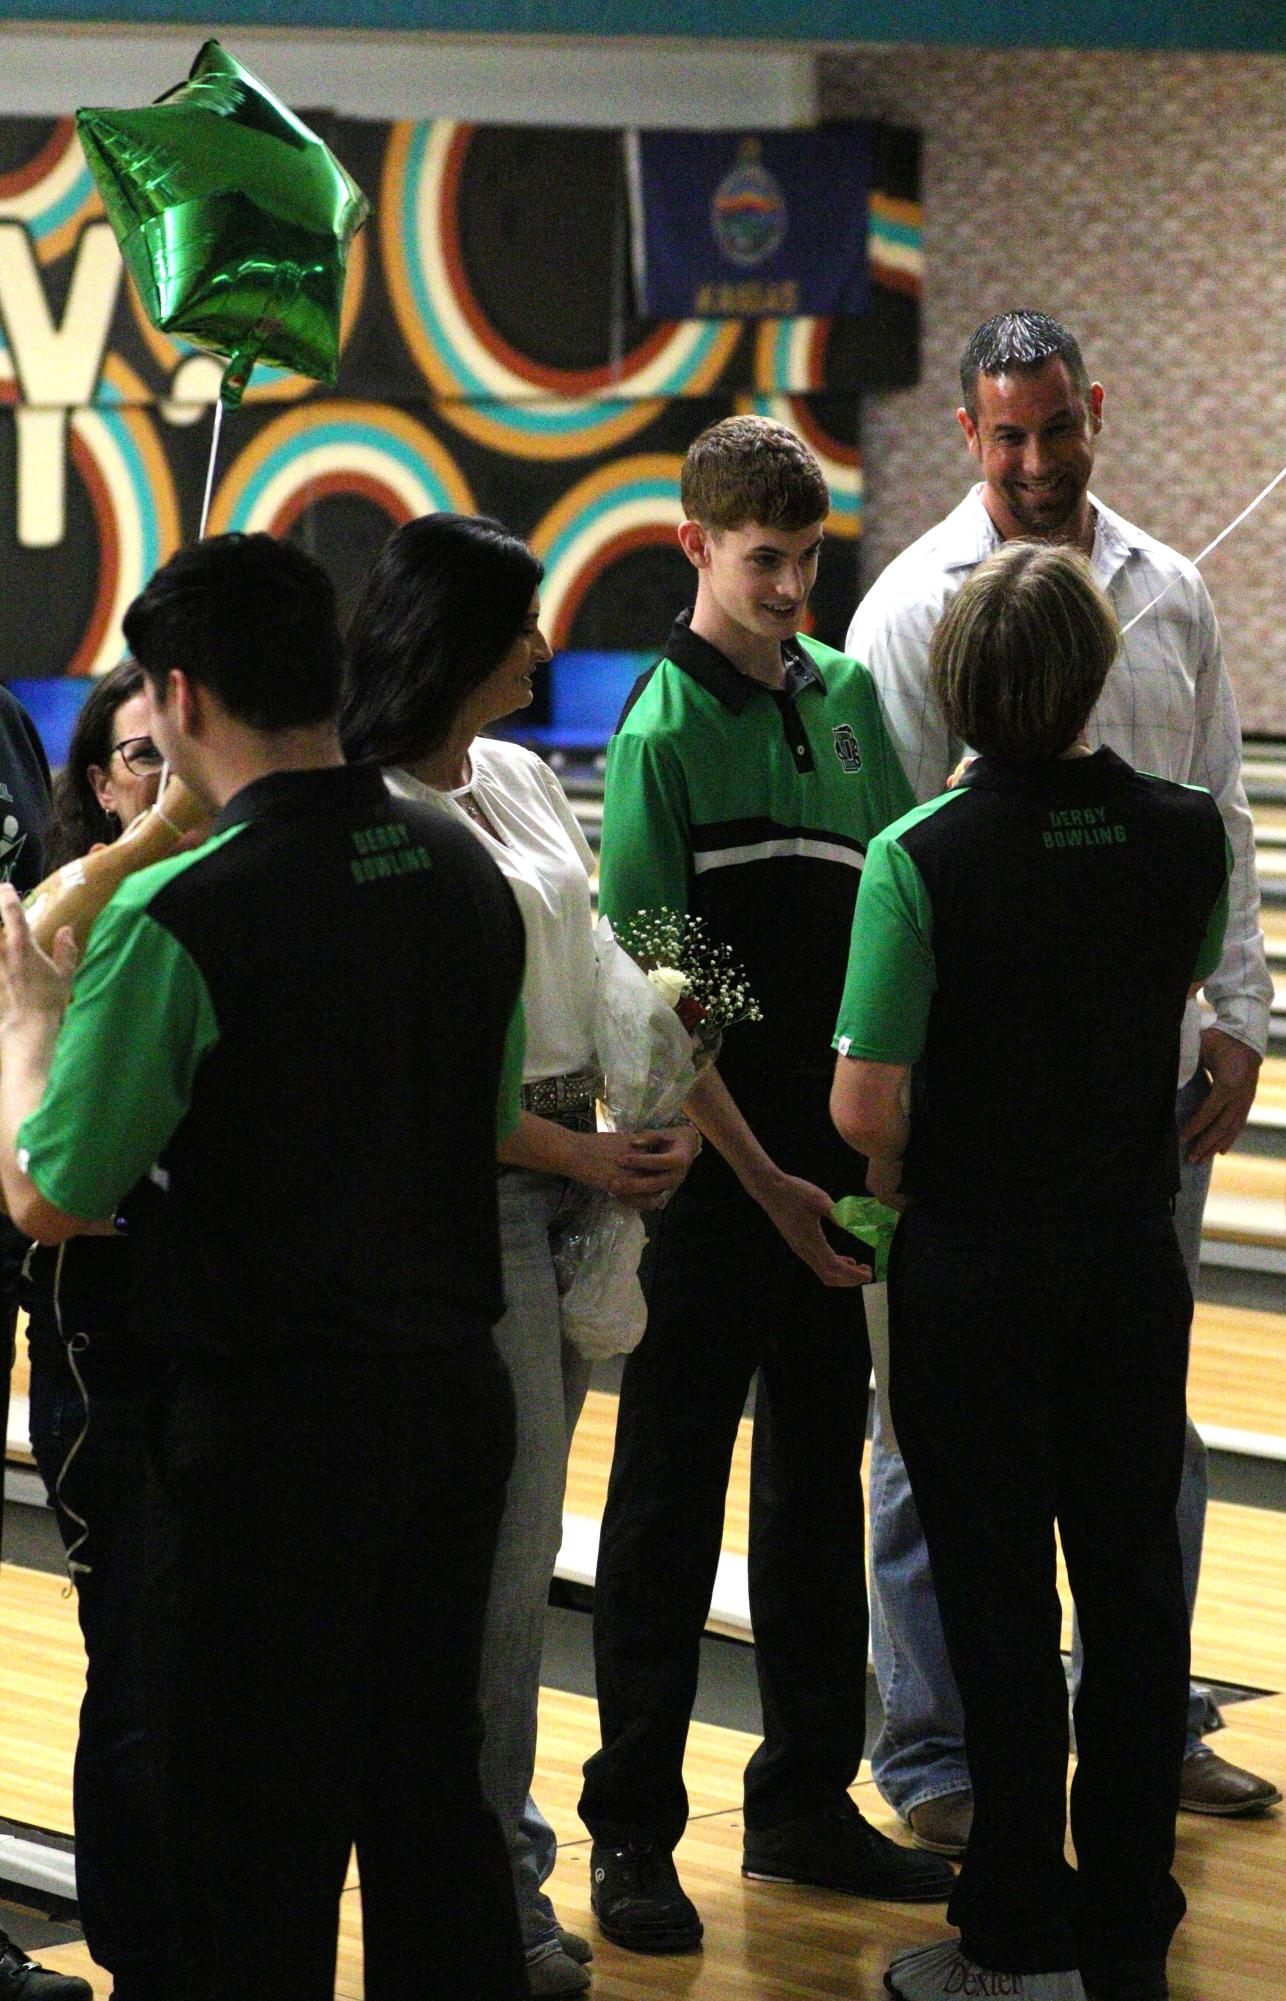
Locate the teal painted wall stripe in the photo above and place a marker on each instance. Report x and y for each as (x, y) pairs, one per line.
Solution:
(1108, 24)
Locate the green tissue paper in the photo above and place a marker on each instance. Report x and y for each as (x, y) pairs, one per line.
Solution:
(873, 1222)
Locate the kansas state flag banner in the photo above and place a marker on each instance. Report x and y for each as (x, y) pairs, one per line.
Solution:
(736, 225)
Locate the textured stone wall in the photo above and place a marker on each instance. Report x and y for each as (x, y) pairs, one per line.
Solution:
(1141, 199)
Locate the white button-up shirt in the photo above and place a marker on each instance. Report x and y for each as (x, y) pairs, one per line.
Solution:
(1166, 707)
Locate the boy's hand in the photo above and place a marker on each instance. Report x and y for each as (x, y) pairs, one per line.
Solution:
(798, 1209)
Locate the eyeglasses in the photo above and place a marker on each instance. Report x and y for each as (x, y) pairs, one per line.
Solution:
(139, 753)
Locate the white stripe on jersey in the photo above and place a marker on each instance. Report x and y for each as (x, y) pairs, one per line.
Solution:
(800, 845)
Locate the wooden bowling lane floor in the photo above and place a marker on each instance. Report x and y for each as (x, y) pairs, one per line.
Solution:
(763, 1943)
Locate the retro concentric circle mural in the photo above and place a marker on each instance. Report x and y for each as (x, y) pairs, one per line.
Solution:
(365, 449)
(118, 457)
(512, 401)
(627, 505)
(492, 362)
(50, 193)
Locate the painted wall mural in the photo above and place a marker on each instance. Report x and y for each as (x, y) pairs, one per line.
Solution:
(491, 361)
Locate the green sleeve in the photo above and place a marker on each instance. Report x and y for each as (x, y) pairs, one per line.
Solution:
(1212, 944)
(891, 979)
(646, 855)
(509, 1097)
(140, 1021)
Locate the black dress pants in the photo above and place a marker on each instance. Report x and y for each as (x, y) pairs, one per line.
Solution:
(338, 1517)
(94, 1461)
(1037, 1374)
(727, 1298)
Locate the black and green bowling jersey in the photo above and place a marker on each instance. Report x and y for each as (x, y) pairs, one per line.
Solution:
(1027, 942)
(294, 1041)
(752, 809)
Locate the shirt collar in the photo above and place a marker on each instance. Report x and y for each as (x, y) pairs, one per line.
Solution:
(1115, 540)
(713, 671)
(969, 535)
(1047, 774)
(283, 794)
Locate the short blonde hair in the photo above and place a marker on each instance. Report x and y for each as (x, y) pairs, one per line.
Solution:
(1021, 653)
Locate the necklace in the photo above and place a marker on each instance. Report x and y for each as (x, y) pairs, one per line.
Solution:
(466, 799)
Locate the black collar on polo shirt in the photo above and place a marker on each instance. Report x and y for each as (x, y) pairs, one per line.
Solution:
(714, 672)
(1045, 774)
(284, 794)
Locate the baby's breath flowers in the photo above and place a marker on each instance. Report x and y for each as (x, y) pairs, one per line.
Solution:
(714, 993)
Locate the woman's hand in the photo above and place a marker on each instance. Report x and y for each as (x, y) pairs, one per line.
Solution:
(642, 1170)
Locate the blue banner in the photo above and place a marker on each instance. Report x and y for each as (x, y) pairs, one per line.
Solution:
(764, 225)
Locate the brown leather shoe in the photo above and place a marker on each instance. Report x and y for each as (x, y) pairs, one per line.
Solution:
(942, 1825)
(1209, 1784)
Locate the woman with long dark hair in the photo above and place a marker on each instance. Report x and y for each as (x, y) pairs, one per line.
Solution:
(112, 768)
(89, 1387)
(445, 642)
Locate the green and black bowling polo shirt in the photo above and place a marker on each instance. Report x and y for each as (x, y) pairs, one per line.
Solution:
(295, 1040)
(752, 809)
(1027, 941)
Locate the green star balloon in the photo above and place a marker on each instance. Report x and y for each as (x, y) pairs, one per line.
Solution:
(234, 219)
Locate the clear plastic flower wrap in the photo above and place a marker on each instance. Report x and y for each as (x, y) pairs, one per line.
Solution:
(647, 1059)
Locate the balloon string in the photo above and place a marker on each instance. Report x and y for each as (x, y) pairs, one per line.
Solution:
(1199, 560)
(209, 471)
(200, 536)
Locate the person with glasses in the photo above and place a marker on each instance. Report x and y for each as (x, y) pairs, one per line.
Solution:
(89, 1390)
(111, 772)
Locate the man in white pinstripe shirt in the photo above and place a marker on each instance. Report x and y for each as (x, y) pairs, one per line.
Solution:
(1031, 418)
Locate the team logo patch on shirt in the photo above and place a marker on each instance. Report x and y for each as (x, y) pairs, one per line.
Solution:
(847, 748)
(12, 842)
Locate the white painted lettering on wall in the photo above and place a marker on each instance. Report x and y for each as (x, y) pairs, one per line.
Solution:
(57, 365)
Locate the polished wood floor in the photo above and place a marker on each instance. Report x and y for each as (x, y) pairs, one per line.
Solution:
(763, 1943)
(1237, 1370)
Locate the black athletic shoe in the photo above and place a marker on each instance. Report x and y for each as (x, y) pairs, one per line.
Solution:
(638, 1899)
(22, 1980)
(838, 1850)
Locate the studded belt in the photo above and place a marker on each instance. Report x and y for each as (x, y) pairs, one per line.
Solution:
(567, 1099)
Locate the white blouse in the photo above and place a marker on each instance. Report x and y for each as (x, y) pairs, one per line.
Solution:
(546, 860)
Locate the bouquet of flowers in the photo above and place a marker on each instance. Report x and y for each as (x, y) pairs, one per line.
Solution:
(653, 1032)
(697, 976)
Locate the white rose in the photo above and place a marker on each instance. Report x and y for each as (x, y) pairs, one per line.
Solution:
(670, 983)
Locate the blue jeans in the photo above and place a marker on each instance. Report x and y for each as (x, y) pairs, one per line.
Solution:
(549, 1383)
(919, 1754)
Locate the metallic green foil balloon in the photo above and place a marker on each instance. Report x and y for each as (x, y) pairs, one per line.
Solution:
(233, 218)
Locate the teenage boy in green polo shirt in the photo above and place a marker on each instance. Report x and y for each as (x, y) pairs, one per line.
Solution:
(747, 775)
